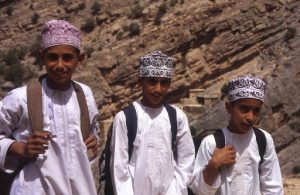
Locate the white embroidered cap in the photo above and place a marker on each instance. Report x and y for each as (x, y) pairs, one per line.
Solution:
(60, 32)
(156, 64)
(246, 87)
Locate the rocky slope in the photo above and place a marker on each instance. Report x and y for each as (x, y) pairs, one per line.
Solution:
(212, 41)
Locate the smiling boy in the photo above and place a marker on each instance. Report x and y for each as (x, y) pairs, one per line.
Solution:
(153, 167)
(237, 168)
(56, 157)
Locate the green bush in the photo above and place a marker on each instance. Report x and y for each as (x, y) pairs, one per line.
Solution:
(119, 35)
(136, 11)
(35, 18)
(162, 10)
(296, 169)
(9, 10)
(96, 7)
(88, 51)
(88, 26)
(60, 2)
(134, 29)
(173, 2)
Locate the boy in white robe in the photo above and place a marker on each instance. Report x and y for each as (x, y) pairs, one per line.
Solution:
(56, 158)
(152, 168)
(236, 169)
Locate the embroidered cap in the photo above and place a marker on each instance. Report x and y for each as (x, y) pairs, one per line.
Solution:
(156, 64)
(246, 87)
(60, 32)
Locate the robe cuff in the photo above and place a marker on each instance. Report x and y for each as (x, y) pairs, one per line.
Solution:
(210, 189)
(11, 161)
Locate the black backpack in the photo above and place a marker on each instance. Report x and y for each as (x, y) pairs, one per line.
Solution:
(131, 123)
(220, 142)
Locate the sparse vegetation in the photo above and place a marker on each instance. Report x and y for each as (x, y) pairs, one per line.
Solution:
(12, 70)
(88, 51)
(60, 2)
(119, 35)
(136, 11)
(296, 169)
(9, 10)
(88, 26)
(290, 33)
(35, 18)
(134, 29)
(162, 10)
(96, 7)
(173, 2)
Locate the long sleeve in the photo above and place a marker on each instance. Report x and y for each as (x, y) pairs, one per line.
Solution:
(185, 153)
(119, 165)
(204, 154)
(270, 176)
(12, 116)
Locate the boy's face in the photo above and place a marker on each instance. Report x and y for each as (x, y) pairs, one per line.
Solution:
(61, 62)
(244, 114)
(154, 90)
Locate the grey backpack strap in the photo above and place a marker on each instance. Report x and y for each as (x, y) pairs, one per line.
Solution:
(34, 105)
(84, 112)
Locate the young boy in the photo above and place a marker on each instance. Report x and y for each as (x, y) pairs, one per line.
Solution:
(236, 169)
(152, 168)
(56, 158)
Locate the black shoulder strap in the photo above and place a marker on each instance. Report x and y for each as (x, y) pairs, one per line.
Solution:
(219, 137)
(131, 123)
(173, 120)
(261, 143)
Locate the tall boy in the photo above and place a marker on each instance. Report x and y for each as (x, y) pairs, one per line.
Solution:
(237, 168)
(57, 161)
(153, 168)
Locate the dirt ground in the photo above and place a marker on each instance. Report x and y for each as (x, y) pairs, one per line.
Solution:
(291, 186)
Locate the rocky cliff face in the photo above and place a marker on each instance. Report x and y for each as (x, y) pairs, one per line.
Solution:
(212, 41)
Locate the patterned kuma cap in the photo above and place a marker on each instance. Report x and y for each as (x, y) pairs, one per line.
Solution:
(60, 32)
(246, 87)
(156, 64)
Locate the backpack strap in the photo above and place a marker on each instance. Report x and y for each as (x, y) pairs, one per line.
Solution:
(34, 105)
(173, 121)
(84, 111)
(131, 123)
(261, 143)
(219, 138)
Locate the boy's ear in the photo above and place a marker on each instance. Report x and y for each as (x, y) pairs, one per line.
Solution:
(81, 57)
(228, 107)
(42, 55)
(139, 82)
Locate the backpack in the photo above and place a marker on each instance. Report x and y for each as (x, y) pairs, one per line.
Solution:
(34, 105)
(131, 123)
(220, 142)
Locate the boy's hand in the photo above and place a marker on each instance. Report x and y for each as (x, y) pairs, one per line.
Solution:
(37, 143)
(220, 158)
(92, 143)
(223, 156)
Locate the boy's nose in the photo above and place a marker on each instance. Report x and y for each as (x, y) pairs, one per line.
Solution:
(250, 116)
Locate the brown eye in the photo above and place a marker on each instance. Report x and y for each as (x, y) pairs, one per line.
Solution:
(165, 82)
(68, 57)
(52, 57)
(152, 81)
(244, 109)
